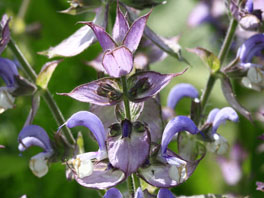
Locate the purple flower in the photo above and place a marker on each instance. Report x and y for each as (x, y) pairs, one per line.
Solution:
(92, 169)
(8, 72)
(249, 6)
(33, 135)
(118, 58)
(168, 169)
(5, 33)
(260, 186)
(215, 118)
(113, 193)
(255, 73)
(180, 91)
(165, 193)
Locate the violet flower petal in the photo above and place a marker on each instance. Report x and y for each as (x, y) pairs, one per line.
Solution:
(165, 193)
(102, 177)
(152, 116)
(250, 48)
(5, 33)
(200, 14)
(249, 6)
(139, 193)
(260, 186)
(113, 193)
(121, 26)
(89, 92)
(143, 85)
(8, 72)
(178, 124)
(94, 124)
(33, 135)
(118, 62)
(179, 91)
(129, 153)
(133, 36)
(105, 40)
(211, 115)
(226, 113)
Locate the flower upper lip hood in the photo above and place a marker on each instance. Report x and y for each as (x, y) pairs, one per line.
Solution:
(118, 57)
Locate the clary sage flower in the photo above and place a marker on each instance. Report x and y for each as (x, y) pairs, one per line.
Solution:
(216, 117)
(118, 58)
(166, 169)
(255, 73)
(33, 135)
(93, 169)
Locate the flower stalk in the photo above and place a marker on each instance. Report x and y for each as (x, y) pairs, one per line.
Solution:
(29, 71)
(222, 54)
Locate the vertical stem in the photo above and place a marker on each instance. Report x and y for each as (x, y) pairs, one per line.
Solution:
(133, 180)
(222, 54)
(46, 94)
(23, 9)
(126, 101)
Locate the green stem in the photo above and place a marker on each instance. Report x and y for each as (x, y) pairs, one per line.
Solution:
(222, 54)
(133, 180)
(23, 9)
(126, 101)
(46, 94)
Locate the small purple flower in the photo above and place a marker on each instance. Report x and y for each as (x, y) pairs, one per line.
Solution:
(92, 169)
(249, 6)
(113, 193)
(5, 33)
(118, 57)
(168, 169)
(180, 91)
(33, 135)
(215, 118)
(165, 193)
(260, 186)
(8, 72)
(255, 73)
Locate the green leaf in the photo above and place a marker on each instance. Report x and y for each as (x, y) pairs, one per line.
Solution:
(207, 57)
(46, 72)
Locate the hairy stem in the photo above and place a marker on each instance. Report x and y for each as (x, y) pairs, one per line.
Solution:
(126, 101)
(46, 94)
(222, 54)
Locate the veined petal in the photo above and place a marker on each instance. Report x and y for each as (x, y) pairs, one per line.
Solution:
(5, 33)
(129, 150)
(178, 124)
(143, 85)
(113, 193)
(139, 193)
(105, 40)
(33, 135)
(118, 62)
(226, 113)
(101, 92)
(94, 124)
(133, 36)
(103, 177)
(211, 115)
(8, 72)
(121, 26)
(250, 48)
(179, 91)
(165, 193)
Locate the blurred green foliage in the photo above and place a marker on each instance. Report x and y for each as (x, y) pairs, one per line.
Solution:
(43, 26)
